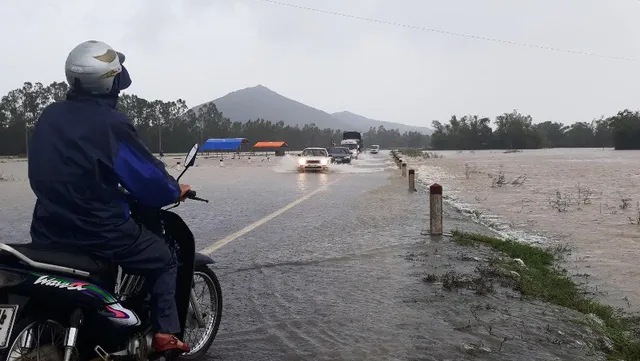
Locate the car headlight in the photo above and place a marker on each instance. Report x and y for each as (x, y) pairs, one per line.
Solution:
(301, 161)
(323, 161)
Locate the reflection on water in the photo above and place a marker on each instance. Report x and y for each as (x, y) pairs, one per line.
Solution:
(303, 180)
(302, 183)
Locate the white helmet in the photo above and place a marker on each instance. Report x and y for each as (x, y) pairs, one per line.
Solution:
(96, 68)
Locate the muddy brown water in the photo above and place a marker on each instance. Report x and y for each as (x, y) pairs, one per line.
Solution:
(599, 194)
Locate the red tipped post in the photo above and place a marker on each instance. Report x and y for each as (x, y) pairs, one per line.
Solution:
(435, 209)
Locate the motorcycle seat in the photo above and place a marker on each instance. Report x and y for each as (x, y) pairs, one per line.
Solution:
(54, 255)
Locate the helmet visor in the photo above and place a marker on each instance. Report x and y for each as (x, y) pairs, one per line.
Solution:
(121, 57)
(122, 80)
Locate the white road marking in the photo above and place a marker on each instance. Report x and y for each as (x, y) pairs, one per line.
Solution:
(232, 237)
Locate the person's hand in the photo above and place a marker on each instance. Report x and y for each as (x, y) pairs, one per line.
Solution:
(184, 188)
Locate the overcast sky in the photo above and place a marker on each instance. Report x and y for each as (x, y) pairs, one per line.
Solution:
(199, 50)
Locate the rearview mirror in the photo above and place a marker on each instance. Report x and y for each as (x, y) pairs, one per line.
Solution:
(190, 159)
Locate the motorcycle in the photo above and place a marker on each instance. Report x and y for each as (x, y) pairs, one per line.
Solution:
(66, 305)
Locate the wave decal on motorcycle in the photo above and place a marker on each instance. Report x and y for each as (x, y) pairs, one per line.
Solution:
(75, 285)
(119, 315)
(112, 308)
(59, 283)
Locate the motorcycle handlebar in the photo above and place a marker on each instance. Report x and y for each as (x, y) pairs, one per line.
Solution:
(191, 194)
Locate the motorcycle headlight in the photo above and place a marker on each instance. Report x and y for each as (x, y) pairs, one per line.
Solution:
(301, 161)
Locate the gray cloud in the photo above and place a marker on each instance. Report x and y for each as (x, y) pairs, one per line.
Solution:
(199, 50)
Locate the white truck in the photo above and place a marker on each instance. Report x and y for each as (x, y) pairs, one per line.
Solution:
(353, 146)
(353, 140)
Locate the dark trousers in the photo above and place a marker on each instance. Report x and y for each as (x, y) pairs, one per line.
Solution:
(150, 257)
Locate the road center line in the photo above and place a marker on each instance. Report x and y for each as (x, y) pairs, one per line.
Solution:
(232, 237)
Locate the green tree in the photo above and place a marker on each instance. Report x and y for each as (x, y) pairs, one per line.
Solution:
(625, 127)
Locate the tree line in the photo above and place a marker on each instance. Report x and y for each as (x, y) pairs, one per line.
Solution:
(172, 127)
(517, 131)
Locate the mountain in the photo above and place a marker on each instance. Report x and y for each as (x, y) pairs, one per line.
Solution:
(351, 118)
(262, 102)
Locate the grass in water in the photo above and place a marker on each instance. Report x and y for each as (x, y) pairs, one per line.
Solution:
(412, 152)
(542, 279)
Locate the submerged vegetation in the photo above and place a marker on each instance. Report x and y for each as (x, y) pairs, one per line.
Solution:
(534, 272)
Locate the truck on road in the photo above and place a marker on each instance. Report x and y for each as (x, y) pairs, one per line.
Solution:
(353, 140)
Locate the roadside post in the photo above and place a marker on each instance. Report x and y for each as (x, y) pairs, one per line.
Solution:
(404, 169)
(435, 209)
(412, 180)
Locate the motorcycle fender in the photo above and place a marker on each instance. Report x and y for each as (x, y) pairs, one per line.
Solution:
(203, 260)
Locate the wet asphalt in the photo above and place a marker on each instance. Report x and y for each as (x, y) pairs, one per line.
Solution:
(314, 283)
(338, 276)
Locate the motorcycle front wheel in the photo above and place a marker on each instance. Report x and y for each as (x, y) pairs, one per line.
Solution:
(35, 338)
(200, 335)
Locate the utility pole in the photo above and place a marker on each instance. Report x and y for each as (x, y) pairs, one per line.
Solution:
(160, 140)
(26, 137)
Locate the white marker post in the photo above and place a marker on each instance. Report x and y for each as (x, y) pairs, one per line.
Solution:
(435, 209)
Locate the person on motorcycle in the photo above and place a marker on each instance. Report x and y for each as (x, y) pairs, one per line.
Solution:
(81, 149)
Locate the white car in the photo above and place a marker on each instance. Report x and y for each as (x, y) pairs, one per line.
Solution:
(314, 159)
(375, 149)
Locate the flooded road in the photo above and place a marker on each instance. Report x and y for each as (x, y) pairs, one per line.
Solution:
(338, 276)
(586, 198)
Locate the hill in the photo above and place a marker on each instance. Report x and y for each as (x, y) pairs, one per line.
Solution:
(262, 102)
(351, 118)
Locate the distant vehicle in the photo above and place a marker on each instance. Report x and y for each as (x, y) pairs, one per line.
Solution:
(352, 145)
(314, 159)
(353, 135)
(340, 154)
(375, 149)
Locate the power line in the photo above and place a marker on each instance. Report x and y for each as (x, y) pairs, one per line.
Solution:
(444, 32)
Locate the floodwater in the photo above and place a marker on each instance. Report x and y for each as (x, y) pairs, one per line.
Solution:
(339, 275)
(586, 198)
